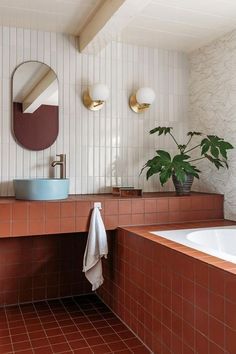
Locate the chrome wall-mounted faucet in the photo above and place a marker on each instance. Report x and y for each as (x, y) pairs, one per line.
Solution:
(62, 164)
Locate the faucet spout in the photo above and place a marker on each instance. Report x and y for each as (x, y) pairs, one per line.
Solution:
(62, 164)
(55, 163)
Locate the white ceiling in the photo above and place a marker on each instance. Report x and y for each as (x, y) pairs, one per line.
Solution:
(67, 16)
(172, 24)
(181, 24)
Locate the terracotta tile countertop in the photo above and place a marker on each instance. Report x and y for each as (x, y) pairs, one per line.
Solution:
(93, 197)
(145, 231)
(27, 218)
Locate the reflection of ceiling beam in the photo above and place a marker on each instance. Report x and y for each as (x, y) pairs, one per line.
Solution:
(40, 93)
(108, 22)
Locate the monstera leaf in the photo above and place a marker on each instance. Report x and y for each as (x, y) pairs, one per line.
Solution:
(191, 134)
(216, 146)
(166, 167)
(161, 130)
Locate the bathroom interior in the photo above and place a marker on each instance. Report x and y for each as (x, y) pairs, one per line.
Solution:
(106, 244)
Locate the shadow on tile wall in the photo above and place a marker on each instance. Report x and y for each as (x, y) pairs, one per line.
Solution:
(42, 267)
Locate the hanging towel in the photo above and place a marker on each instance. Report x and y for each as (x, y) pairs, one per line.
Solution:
(96, 248)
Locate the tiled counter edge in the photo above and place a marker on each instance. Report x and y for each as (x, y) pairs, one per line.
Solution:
(27, 218)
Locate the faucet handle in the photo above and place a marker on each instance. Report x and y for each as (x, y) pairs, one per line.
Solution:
(62, 156)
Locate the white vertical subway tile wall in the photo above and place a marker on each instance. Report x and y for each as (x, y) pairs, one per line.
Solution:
(103, 148)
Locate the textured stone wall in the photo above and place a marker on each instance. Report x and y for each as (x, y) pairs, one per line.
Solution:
(213, 110)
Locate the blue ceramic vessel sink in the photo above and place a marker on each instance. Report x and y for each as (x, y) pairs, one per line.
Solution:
(41, 188)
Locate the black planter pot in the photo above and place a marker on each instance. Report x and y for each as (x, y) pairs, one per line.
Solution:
(183, 188)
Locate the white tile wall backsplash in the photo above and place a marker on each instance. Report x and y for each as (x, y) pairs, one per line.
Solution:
(103, 148)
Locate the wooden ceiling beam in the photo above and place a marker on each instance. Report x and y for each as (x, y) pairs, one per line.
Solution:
(107, 23)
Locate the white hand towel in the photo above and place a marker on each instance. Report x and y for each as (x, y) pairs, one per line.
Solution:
(96, 248)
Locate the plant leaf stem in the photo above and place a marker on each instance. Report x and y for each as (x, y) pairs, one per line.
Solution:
(188, 141)
(176, 142)
(192, 148)
(199, 158)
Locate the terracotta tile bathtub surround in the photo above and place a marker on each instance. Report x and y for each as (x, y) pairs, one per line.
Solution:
(24, 218)
(177, 300)
(79, 325)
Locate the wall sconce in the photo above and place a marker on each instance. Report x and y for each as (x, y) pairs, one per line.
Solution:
(94, 99)
(141, 101)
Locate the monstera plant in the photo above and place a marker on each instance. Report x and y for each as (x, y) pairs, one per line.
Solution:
(181, 168)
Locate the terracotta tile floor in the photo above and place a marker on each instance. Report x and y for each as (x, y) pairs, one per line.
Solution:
(73, 325)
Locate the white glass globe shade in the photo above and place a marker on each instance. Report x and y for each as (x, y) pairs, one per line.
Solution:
(145, 95)
(99, 92)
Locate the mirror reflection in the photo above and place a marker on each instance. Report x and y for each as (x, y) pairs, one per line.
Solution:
(35, 105)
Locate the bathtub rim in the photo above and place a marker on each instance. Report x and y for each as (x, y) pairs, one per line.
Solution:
(145, 232)
(183, 240)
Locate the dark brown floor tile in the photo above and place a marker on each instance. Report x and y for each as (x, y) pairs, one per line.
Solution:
(16, 324)
(57, 339)
(60, 348)
(101, 349)
(113, 321)
(115, 346)
(38, 343)
(85, 326)
(119, 327)
(73, 336)
(36, 335)
(46, 319)
(4, 332)
(53, 332)
(51, 325)
(82, 325)
(89, 333)
(78, 344)
(109, 338)
(94, 318)
(18, 330)
(65, 323)
(100, 324)
(19, 337)
(5, 340)
(6, 348)
(34, 328)
(43, 350)
(141, 350)
(132, 342)
(94, 341)
(22, 346)
(69, 329)
(83, 351)
(126, 335)
(105, 330)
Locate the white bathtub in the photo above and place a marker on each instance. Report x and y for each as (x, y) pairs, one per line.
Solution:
(215, 241)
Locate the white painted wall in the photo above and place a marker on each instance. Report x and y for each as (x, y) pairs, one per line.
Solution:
(213, 110)
(103, 148)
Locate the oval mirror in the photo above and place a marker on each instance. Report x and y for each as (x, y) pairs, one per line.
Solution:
(35, 105)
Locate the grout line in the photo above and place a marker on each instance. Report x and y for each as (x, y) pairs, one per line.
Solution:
(125, 324)
(75, 322)
(9, 329)
(43, 326)
(27, 333)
